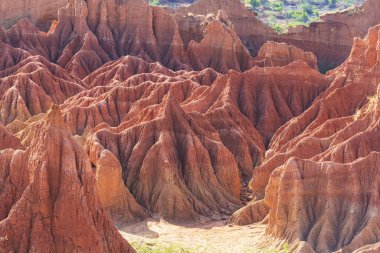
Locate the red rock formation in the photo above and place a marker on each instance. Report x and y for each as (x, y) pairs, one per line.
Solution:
(208, 103)
(40, 12)
(149, 116)
(49, 202)
(7, 140)
(154, 137)
(220, 49)
(11, 56)
(178, 172)
(273, 54)
(329, 39)
(32, 85)
(113, 194)
(247, 26)
(90, 34)
(313, 157)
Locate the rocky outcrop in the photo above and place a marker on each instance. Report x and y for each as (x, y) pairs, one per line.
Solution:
(273, 54)
(252, 32)
(314, 156)
(39, 12)
(177, 128)
(200, 131)
(329, 39)
(31, 86)
(228, 120)
(220, 49)
(89, 34)
(114, 195)
(92, 33)
(48, 196)
(7, 140)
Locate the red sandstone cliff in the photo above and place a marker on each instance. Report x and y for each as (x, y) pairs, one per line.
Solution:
(159, 133)
(90, 34)
(39, 12)
(162, 119)
(329, 39)
(48, 196)
(319, 182)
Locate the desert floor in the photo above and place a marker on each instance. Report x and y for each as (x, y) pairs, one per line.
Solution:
(202, 237)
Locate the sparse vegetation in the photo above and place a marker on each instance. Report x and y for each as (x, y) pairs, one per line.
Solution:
(282, 14)
(142, 247)
(369, 107)
(154, 2)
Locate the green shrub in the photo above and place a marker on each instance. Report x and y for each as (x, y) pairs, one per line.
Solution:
(277, 6)
(154, 2)
(142, 247)
(255, 3)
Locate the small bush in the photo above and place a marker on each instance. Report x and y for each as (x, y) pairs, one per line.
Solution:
(154, 2)
(142, 247)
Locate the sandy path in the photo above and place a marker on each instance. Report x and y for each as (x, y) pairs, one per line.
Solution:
(210, 237)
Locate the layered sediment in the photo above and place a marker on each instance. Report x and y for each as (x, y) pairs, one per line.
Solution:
(115, 115)
(319, 181)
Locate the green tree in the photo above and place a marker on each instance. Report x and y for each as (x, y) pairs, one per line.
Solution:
(154, 2)
(255, 4)
(307, 8)
(333, 3)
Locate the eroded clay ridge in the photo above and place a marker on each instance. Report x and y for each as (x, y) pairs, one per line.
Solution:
(89, 34)
(208, 33)
(319, 183)
(160, 38)
(329, 39)
(39, 12)
(48, 195)
(167, 134)
(91, 123)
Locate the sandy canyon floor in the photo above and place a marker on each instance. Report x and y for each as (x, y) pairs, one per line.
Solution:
(200, 237)
(127, 112)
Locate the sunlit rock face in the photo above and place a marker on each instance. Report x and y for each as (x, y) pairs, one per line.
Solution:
(89, 34)
(329, 39)
(274, 54)
(39, 12)
(116, 116)
(179, 144)
(320, 180)
(48, 196)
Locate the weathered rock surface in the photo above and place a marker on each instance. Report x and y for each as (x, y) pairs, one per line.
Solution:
(7, 140)
(178, 144)
(32, 85)
(188, 138)
(178, 127)
(252, 32)
(319, 182)
(273, 54)
(89, 34)
(48, 196)
(92, 33)
(39, 12)
(113, 194)
(329, 39)
(220, 49)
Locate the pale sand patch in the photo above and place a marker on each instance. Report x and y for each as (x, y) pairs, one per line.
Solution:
(210, 237)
